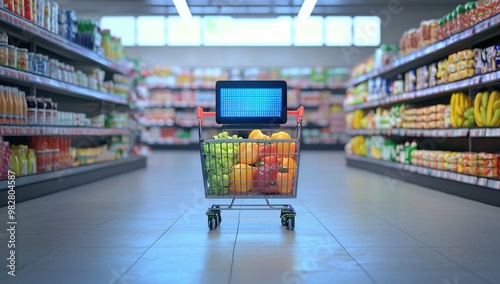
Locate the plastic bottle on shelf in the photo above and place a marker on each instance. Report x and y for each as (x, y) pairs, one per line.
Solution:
(31, 110)
(40, 114)
(55, 114)
(24, 108)
(48, 111)
(18, 106)
(3, 107)
(106, 42)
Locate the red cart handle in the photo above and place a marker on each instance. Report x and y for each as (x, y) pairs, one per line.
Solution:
(299, 113)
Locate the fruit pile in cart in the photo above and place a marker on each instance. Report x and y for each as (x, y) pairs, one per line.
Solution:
(262, 165)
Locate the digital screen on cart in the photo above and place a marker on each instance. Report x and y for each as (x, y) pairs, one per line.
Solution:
(251, 102)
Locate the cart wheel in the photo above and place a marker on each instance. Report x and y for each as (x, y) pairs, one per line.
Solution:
(212, 222)
(290, 223)
(218, 216)
(283, 220)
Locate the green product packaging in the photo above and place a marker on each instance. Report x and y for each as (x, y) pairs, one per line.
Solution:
(14, 160)
(31, 162)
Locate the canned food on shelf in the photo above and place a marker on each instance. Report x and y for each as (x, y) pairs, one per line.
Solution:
(12, 56)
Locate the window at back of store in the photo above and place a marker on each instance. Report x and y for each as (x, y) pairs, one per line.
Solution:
(151, 30)
(228, 31)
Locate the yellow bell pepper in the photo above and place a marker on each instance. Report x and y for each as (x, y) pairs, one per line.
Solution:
(248, 153)
(284, 149)
(240, 179)
(257, 134)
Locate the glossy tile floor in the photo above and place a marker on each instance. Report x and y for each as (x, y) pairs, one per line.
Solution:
(149, 226)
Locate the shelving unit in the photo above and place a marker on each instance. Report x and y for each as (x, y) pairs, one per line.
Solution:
(482, 189)
(472, 36)
(72, 98)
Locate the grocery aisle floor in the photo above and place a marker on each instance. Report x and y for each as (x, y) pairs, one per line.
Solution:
(149, 226)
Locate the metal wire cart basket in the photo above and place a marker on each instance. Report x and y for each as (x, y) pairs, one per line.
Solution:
(259, 161)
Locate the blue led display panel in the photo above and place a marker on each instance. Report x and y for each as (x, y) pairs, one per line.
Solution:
(262, 102)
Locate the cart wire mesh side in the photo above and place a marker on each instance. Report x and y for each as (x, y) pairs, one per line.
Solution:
(243, 168)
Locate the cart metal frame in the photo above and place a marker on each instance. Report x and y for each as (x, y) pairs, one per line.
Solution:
(288, 213)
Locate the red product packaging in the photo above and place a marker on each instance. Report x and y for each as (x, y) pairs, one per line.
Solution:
(1, 157)
(488, 172)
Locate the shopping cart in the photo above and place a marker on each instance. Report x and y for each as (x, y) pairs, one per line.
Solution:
(246, 168)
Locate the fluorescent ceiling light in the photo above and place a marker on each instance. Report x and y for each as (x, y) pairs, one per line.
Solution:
(306, 9)
(182, 9)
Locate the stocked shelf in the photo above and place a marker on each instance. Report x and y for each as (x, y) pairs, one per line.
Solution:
(26, 30)
(23, 130)
(476, 34)
(451, 132)
(445, 89)
(195, 146)
(481, 189)
(49, 84)
(32, 186)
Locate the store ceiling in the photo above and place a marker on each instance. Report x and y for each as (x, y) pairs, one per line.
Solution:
(262, 8)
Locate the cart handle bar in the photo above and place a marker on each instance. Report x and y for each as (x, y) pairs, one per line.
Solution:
(299, 113)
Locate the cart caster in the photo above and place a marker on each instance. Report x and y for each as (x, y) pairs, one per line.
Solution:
(212, 222)
(290, 223)
(285, 214)
(218, 216)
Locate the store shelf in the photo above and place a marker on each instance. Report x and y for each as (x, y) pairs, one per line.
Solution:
(451, 132)
(28, 31)
(434, 52)
(23, 130)
(28, 187)
(49, 84)
(484, 190)
(445, 89)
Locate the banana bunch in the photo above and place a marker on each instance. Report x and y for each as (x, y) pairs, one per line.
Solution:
(461, 111)
(487, 109)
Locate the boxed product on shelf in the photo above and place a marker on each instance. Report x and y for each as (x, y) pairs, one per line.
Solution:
(410, 81)
(415, 38)
(422, 78)
(487, 59)
(426, 117)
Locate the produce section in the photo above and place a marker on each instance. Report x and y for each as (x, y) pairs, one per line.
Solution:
(167, 99)
(63, 104)
(435, 110)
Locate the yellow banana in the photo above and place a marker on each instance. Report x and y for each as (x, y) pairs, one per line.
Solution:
(477, 117)
(452, 101)
(496, 105)
(484, 98)
(477, 101)
(459, 110)
(489, 107)
(483, 116)
(463, 100)
(496, 118)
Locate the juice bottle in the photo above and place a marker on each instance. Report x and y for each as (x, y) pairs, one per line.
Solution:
(48, 111)
(40, 114)
(15, 105)
(24, 108)
(3, 106)
(9, 105)
(31, 110)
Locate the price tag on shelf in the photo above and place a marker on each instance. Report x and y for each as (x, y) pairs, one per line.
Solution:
(447, 175)
(482, 181)
(481, 26)
(488, 132)
(495, 20)
(495, 184)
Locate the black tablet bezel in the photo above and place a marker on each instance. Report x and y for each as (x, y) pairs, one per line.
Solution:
(251, 84)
